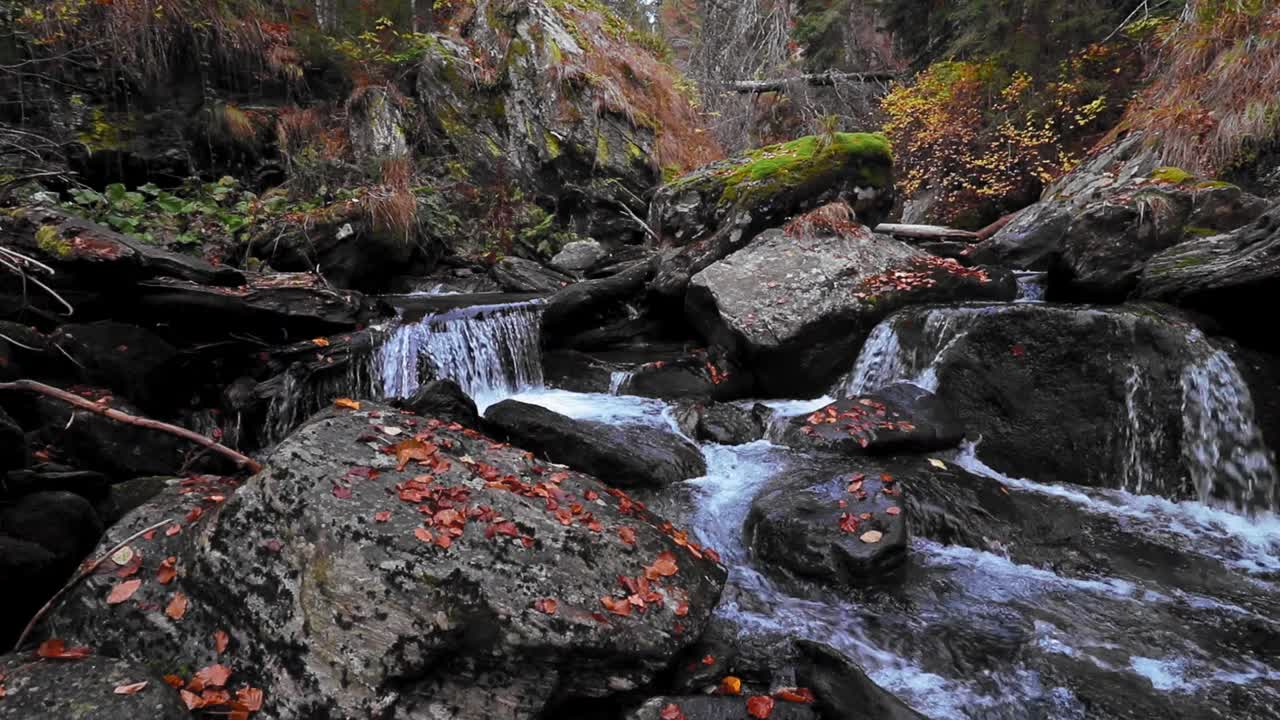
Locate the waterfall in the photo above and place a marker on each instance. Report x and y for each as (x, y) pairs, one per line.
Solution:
(1030, 286)
(491, 351)
(1222, 445)
(884, 360)
(1141, 435)
(617, 380)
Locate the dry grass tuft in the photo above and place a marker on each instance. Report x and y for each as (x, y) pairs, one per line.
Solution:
(833, 218)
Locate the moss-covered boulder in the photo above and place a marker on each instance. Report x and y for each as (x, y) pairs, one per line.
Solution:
(709, 213)
(387, 565)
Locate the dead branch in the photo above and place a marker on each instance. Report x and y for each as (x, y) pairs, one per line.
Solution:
(925, 232)
(240, 460)
(826, 79)
(85, 571)
(995, 227)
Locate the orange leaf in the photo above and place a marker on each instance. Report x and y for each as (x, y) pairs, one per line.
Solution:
(168, 570)
(627, 535)
(215, 675)
(56, 649)
(760, 706)
(617, 606)
(220, 641)
(664, 566)
(177, 606)
(123, 591)
(251, 697)
(347, 403)
(320, 342)
(174, 681)
(730, 685)
(192, 700)
(546, 605)
(130, 689)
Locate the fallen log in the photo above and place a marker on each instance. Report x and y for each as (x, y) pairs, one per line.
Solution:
(243, 461)
(826, 79)
(926, 232)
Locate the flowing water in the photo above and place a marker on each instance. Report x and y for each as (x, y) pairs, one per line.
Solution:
(1150, 632)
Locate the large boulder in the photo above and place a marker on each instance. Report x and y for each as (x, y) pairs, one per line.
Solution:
(578, 256)
(621, 455)
(84, 688)
(843, 690)
(1134, 397)
(845, 528)
(126, 358)
(711, 212)
(382, 564)
(1226, 276)
(795, 310)
(443, 399)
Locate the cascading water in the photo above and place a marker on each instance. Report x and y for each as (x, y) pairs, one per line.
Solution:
(491, 351)
(1140, 435)
(1031, 286)
(884, 360)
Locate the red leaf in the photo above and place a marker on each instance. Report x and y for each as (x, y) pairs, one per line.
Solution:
(382, 516)
(192, 700)
(130, 688)
(546, 605)
(893, 510)
(423, 534)
(627, 535)
(168, 570)
(177, 606)
(617, 606)
(760, 706)
(220, 641)
(172, 530)
(174, 681)
(341, 492)
(215, 675)
(671, 711)
(55, 649)
(250, 697)
(664, 566)
(123, 591)
(1018, 350)
(795, 695)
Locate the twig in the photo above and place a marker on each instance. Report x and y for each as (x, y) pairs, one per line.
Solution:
(85, 571)
(38, 387)
(816, 80)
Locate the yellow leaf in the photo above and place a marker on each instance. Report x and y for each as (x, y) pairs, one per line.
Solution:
(347, 403)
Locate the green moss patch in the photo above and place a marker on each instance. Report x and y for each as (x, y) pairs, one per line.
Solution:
(865, 157)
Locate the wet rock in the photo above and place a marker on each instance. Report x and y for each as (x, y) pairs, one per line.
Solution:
(577, 371)
(713, 211)
(61, 522)
(762, 660)
(1222, 275)
(332, 610)
(843, 690)
(794, 311)
(723, 423)
(24, 350)
(703, 707)
(443, 399)
(1031, 241)
(623, 456)
(690, 376)
(578, 256)
(30, 575)
(900, 418)
(845, 529)
(518, 275)
(620, 259)
(13, 444)
(1042, 387)
(133, 361)
(84, 689)
(90, 485)
(593, 305)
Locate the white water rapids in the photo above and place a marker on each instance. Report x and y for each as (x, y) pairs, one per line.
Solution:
(1111, 624)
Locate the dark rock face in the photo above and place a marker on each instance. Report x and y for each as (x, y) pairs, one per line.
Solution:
(518, 275)
(61, 522)
(843, 690)
(703, 707)
(128, 359)
(13, 444)
(691, 376)
(844, 529)
(1031, 241)
(713, 211)
(794, 311)
(590, 306)
(722, 423)
(443, 399)
(577, 371)
(340, 601)
(84, 689)
(32, 575)
(900, 418)
(1225, 276)
(1042, 387)
(623, 456)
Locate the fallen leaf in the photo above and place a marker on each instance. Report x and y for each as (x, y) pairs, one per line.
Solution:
(130, 689)
(709, 660)
(893, 510)
(177, 606)
(760, 706)
(423, 534)
(663, 566)
(627, 535)
(730, 685)
(671, 711)
(174, 681)
(123, 591)
(168, 570)
(795, 695)
(342, 492)
(937, 463)
(320, 342)
(215, 675)
(122, 556)
(172, 530)
(546, 605)
(871, 536)
(617, 606)
(250, 697)
(382, 516)
(347, 403)
(1019, 350)
(220, 641)
(192, 700)
(55, 649)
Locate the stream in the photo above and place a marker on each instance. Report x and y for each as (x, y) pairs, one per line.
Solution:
(1184, 626)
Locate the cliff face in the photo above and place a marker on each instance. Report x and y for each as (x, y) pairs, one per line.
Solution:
(510, 126)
